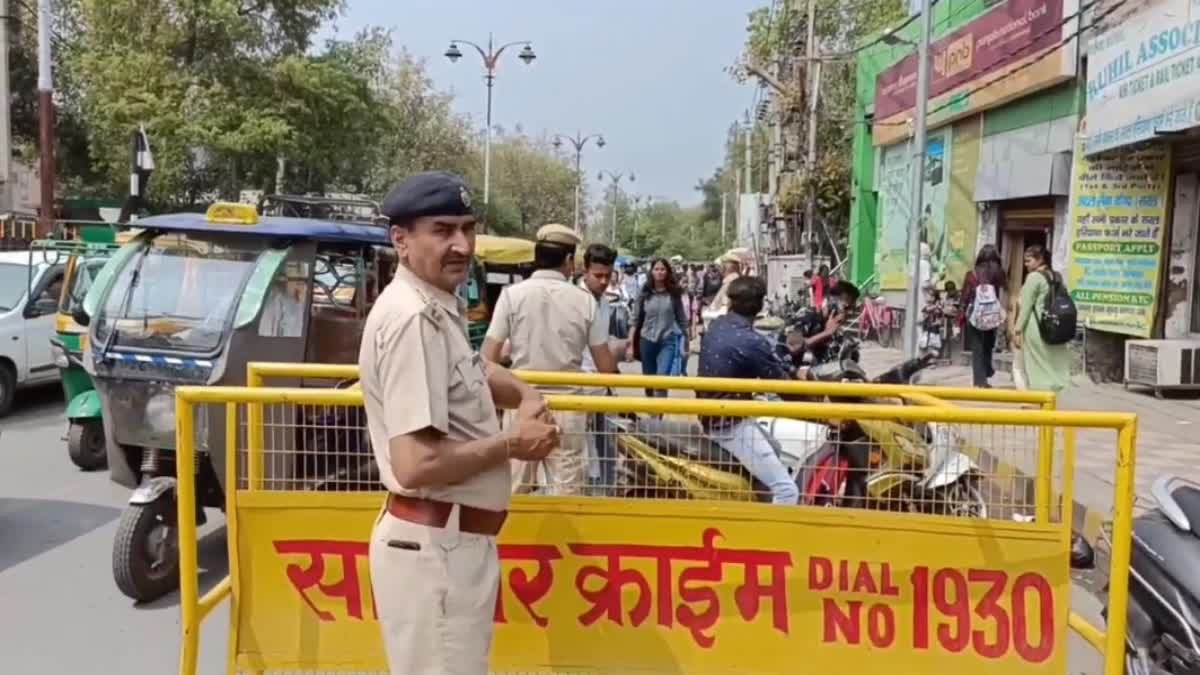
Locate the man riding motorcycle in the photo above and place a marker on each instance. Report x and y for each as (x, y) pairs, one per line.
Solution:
(818, 326)
(732, 348)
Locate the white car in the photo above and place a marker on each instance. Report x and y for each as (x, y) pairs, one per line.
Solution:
(27, 322)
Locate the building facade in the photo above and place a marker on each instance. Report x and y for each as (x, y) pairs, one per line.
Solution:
(1004, 107)
(1135, 204)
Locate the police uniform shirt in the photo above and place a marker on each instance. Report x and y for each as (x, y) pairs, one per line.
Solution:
(549, 321)
(418, 371)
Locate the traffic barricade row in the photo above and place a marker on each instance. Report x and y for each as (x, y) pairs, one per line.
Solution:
(664, 552)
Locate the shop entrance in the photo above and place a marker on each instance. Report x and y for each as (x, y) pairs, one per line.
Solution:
(1021, 228)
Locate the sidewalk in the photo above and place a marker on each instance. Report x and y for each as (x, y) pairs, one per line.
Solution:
(1168, 435)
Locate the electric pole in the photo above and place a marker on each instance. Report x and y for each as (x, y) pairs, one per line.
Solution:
(6, 199)
(812, 71)
(748, 218)
(46, 119)
(911, 320)
(724, 211)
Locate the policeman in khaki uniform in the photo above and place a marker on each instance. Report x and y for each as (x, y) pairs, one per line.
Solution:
(431, 410)
(549, 322)
(731, 268)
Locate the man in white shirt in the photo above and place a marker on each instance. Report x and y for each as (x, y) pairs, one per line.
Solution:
(629, 282)
(550, 323)
(598, 262)
(602, 459)
(284, 312)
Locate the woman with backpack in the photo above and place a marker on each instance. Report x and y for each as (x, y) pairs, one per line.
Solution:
(1046, 317)
(983, 305)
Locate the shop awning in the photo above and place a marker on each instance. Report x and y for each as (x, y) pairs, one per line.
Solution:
(1034, 161)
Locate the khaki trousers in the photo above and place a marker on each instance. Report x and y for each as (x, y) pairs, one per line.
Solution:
(435, 594)
(565, 468)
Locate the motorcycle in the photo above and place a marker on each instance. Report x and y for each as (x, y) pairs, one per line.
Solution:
(895, 466)
(1162, 635)
(871, 464)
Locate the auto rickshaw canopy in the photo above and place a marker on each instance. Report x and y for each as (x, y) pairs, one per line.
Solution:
(493, 250)
(243, 219)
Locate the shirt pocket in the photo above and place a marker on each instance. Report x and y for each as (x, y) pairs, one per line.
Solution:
(469, 395)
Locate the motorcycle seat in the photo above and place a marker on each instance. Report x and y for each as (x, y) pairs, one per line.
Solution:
(1166, 557)
(682, 438)
(1179, 500)
(688, 440)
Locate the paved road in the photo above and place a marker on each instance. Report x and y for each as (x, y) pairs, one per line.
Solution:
(59, 609)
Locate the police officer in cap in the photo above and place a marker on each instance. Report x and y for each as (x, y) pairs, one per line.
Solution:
(549, 323)
(431, 410)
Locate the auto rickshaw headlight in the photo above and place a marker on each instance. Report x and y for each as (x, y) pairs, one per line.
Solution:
(160, 412)
(60, 356)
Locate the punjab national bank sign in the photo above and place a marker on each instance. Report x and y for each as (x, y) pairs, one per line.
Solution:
(1017, 47)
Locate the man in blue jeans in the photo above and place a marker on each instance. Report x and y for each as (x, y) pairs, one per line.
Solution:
(732, 348)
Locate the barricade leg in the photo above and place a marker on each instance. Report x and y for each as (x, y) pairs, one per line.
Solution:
(185, 453)
(1122, 543)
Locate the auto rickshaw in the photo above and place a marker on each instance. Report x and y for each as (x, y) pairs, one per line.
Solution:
(190, 301)
(498, 262)
(83, 258)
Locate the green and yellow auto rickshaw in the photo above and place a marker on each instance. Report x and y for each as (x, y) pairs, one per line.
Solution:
(83, 257)
(498, 262)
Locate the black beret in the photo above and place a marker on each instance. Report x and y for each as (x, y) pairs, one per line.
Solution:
(433, 193)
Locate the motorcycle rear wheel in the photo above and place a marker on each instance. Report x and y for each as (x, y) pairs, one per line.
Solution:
(964, 499)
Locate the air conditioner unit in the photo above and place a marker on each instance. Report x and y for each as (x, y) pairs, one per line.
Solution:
(1163, 364)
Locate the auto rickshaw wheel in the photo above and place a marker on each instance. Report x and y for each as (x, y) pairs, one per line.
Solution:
(85, 445)
(146, 550)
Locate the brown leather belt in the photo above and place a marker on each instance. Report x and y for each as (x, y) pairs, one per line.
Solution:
(433, 513)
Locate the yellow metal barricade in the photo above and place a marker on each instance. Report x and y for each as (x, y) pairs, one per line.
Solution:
(681, 586)
(1026, 476)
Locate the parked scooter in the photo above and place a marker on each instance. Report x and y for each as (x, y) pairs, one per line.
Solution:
(1162, 635)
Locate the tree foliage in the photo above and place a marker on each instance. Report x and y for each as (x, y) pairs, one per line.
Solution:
(531, 185)
(778, 40)
(235, 94)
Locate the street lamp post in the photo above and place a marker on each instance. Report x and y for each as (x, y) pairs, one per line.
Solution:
(490, 57)
(615, 177)
(637, 216)
(578, 141)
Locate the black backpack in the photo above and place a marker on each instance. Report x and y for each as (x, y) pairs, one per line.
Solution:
(1059, 316)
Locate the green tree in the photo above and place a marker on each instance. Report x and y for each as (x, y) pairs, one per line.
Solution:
(530, 187)
(841, 25)
(420, 131)
(234, 95)
(204, 78)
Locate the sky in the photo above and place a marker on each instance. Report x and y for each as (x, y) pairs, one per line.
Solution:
(647, 74)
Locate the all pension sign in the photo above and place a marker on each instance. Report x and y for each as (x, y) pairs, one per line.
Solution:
(615, 586)
(1144, 75)
(997, 48)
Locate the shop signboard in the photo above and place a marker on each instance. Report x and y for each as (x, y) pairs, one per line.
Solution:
(1016, 47)
(1144, 76)
(1117, 227)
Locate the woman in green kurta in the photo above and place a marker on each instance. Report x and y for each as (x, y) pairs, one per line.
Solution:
(1047, 367)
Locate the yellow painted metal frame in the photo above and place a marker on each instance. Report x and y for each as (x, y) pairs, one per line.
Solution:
(258, 372)
(195, 608)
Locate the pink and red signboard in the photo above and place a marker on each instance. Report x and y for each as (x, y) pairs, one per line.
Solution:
(1006, 34)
